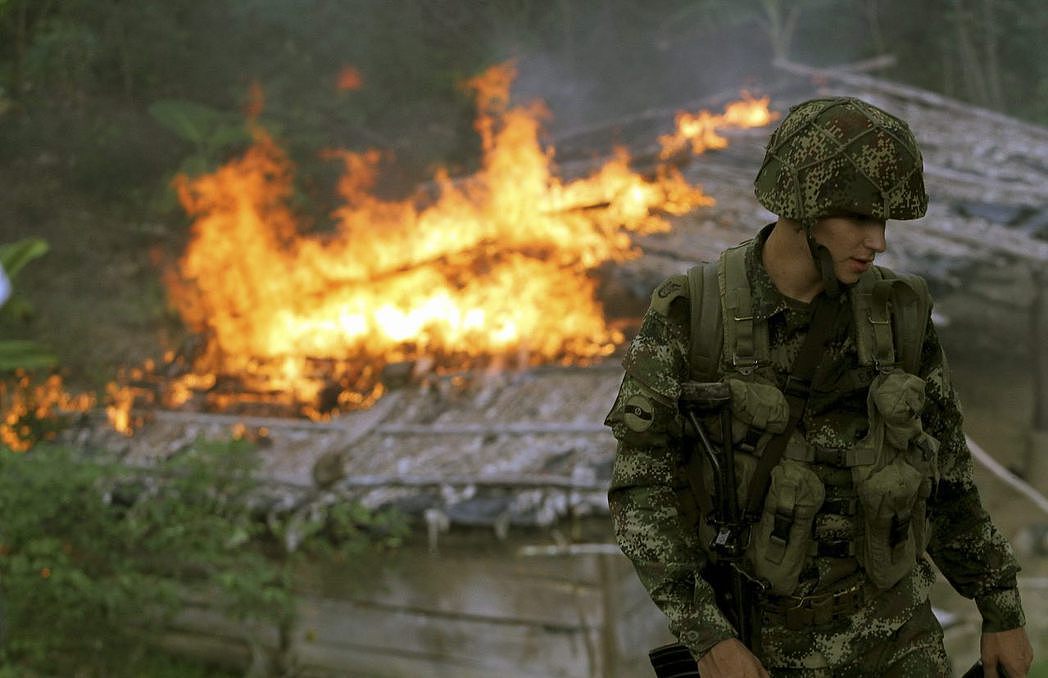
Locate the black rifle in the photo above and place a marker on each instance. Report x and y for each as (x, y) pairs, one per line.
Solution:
(733, 587)
(736, 599)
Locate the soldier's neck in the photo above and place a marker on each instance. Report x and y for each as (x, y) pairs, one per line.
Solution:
(788, 261)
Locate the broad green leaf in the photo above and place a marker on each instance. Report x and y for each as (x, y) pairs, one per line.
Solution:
(223, 135)
(189, 120)
(14, 256)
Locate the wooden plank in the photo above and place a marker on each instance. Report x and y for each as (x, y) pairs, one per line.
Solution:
(355, 424)
(473, 553)
(492, 588)
(509, 428)
(323, 661)
(199, 619)
(220, 651)
(517, 480)
(641, 628)
(1039, 349)
(497, 647)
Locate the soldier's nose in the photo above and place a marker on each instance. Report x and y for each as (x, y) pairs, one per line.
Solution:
(875, 238)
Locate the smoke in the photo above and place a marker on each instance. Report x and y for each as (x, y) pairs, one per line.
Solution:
(609, 69)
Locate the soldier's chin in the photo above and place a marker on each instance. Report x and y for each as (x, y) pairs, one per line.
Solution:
(848, 277)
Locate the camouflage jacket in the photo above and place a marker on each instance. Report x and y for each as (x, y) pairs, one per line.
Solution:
(647, 515)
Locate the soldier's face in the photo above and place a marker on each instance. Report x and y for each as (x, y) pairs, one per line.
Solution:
(853, 242)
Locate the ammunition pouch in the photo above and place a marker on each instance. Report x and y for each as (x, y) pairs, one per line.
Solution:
(895, 488)
(782, 538)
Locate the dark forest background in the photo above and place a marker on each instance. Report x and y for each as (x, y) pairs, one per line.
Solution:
(95, 96)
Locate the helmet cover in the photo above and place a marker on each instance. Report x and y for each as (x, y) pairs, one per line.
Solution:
(840, 156)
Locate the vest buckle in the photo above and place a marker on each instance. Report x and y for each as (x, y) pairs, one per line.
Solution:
(745, 365)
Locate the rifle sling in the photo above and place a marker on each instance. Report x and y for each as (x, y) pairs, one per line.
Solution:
(797, 390)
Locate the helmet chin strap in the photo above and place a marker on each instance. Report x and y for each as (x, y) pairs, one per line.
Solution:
(823, 262)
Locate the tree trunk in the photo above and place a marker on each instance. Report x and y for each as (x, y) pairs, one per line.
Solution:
(18, 67)
(872, 11)
(992, 60)
(117, 11)
(971, 67)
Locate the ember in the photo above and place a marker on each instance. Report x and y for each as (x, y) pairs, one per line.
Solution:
(31, 411)
(349, 78)
(494, 268)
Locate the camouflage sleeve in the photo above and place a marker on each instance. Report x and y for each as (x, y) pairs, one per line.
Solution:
(965, 545)
(651, 522)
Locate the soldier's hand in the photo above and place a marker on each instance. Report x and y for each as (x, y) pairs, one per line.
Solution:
(730, 659)
(1008, 649)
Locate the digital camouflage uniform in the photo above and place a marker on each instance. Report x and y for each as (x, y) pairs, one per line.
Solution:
(893, 632)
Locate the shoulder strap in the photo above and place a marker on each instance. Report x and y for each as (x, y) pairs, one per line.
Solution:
(745, 336)
(797, 390)
(706, 336)
(891, 316)
(913, 305)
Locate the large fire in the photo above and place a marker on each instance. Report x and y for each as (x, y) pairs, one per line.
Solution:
(495, 267)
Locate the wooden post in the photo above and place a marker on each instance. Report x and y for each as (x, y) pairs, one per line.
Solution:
(1037, 452)
(611, 653)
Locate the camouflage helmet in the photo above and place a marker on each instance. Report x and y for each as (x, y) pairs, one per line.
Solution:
(841, 155)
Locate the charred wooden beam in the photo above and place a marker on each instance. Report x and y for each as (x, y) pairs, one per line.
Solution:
(515, 481)
(508, 428)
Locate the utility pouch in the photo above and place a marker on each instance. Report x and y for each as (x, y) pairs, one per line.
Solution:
(894, 491)
(781, 540)
(757, 406)
(890, 505)
(898, 398)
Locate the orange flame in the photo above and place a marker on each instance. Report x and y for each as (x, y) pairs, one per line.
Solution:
(31, 411)
(349, 78)
(495, 265)
(698, 131)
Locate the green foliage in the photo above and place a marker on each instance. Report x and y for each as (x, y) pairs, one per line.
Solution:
(62, 55)
(14, 256)
(209, 130)
(21, 354)
(98, 557)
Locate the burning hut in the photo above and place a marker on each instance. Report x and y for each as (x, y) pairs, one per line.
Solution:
(456, 360)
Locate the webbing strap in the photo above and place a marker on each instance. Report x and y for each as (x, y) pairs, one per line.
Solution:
(879, 316)
(745, 336)
(706, 336)
(891, 316)
(911, 310)
(798, 387)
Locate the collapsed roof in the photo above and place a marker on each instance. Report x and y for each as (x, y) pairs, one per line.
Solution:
(503, 448)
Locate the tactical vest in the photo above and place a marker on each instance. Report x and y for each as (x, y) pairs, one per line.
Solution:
(888, 474)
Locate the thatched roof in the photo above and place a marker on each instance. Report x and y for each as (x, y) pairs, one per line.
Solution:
(519, 447)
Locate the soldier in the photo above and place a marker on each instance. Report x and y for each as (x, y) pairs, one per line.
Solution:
(871, 470)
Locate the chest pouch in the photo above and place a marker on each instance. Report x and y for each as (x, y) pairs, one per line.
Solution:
(781, 540)
(758, 410)
(893, 490)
